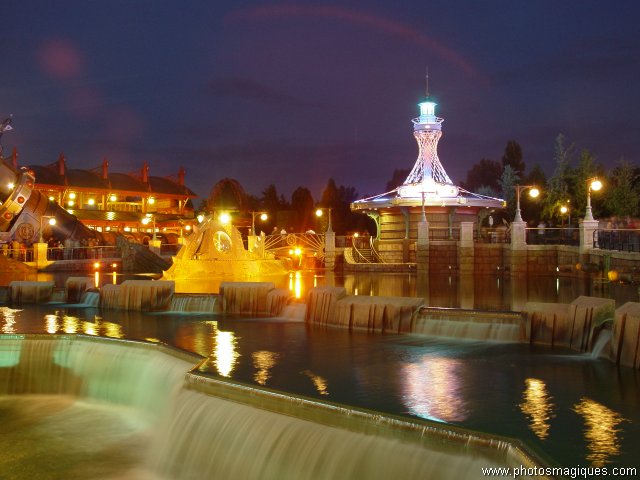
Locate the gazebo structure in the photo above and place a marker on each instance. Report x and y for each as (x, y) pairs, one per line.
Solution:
(427, 207)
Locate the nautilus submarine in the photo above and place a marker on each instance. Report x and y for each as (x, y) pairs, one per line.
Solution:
(22, 207)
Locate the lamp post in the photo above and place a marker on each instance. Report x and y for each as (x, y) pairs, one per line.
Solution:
(563, 211)
(320, 212)
(534, 192)
(263, 217)
(595, 185)
(51, 221)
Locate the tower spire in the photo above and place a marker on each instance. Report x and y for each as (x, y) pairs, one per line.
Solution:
(428, 176)
(426, 90)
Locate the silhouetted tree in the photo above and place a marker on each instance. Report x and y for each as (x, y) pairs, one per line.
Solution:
(398, 178)
(513, 157)
(485, 173)
(557, 192)
(302, 205)
(507, 183)
(622, 199)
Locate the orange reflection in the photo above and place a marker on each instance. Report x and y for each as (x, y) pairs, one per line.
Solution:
(537, 405)
(52, 323)
(601, 432)
(70, 324)
(432, 389)
(319, 382)
(263, 362)
(9, 316)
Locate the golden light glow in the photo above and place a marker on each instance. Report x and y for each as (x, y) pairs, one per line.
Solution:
(563, 209)
(264, 216)
(356, 234)
(601, 430)
(146, 220)
(319, 212)
(224, 218)
(595, 185)
(51, 198)
(52, 221)
(127, 229)
(298, 251)
(90, 328)
(72, 196)
(538, 407)
(225, 354)
(187, 228)
(114, 277)
(51, 323)
(91, 201)
(71, 203)
(318, 382)
(152, 200)
(9, 317)
(70, 324)
(96, 279)
(11, 185)
(263, 362)
(113, 198)
(200, 218)
(534, 193)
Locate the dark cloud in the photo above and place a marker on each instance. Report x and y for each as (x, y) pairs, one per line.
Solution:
(252, 90)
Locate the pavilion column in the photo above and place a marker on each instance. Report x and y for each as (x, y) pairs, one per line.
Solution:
(466, 251)
(422, 247)
(518, 260)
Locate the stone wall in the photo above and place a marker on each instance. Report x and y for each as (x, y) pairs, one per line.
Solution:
(443, 256)
(488, 258)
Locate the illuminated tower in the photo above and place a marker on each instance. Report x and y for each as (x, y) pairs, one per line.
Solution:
(428, 177)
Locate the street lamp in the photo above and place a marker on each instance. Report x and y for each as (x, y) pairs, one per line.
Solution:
(533, 193)
(595, 185)
(320, 212)
(51, 221)
(263, 217)
(149, 217)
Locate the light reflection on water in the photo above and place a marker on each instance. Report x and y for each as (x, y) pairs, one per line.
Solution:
(538, 406)
(510, 390)
(602, 433)
(431, 389)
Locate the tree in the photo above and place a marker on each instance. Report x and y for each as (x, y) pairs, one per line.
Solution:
(532, 207)
(338, 199)
(508, 181)
(485, 173)
(579, 178)
(398, 178)
(557, 192)
(302, 205)
(622, 199)
(513, 157)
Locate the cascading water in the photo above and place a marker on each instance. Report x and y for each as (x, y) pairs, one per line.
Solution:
(97, 408)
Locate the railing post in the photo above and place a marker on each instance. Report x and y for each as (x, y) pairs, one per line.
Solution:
(329, 250)
(518, 260)
(40, 255)
(587, 230)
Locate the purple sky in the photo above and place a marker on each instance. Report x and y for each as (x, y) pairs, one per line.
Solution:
(295, 93)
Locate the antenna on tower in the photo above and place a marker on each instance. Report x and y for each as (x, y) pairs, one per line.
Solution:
(427, 83)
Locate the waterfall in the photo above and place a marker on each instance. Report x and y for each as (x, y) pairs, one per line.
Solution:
(462, 329)
(603, 341)
(463, 324)
(193, 303)
(90, 299)
(181, 425)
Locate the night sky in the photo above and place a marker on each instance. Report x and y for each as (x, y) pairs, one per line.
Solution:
(296, 93)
